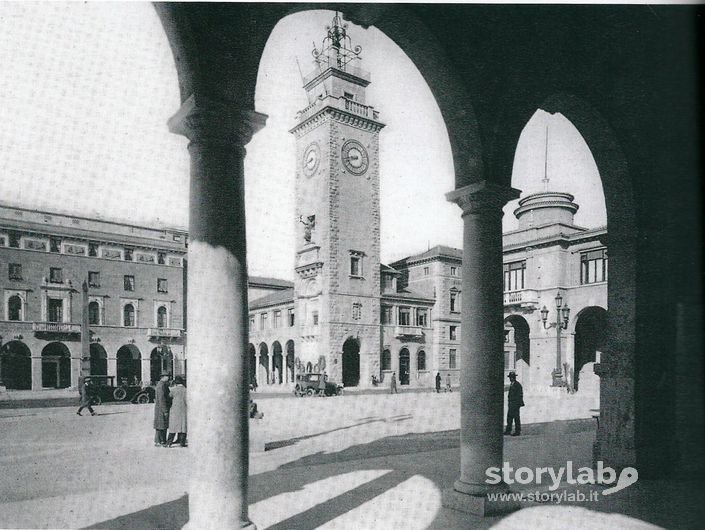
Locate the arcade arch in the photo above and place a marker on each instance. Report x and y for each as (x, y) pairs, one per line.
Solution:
(98, 359)
(129, 363)
(56, 366)
(351, 362)
(16, 365)
(590, 339)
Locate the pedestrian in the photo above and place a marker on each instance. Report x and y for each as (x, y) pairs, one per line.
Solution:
(322, 384)
(393, 384)
(85, 391)
(515, 399)
(438, 382)
(253, 385)
(161, 410)
(177, 413)
(448, 388)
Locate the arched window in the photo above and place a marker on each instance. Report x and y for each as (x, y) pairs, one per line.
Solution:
(94, 313)
(161, 317)
(386, 360)
(14, 308)
(421, 360)
(129, 316)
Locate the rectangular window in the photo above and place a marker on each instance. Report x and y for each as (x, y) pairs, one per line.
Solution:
(15, 271)
(277, 319)
(315, 318)
(54, 244)
(128, 254)
(514, 275)
(55, 309)
(161, 258)
(355, 266)
(263, 321)
(162, 285)
(348, 95)
(252, 322)
(454, 271)
(56, 275)
(453, 332)
(387, 315)
(454, 305)
(129, 282)
(292, 317)
(422, 318)
(405, 316)
(93, 279)
(93, 250)
(426, 271)
(14, 240)
(593, 266)
(452, 358)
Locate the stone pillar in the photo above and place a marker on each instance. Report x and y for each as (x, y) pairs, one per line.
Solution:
(481, 346)
(112, 366)
(257, 368)
(218, 312)
(270, 364)
(36, 372)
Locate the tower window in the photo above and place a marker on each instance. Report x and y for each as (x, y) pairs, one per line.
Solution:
(452, 358)
(426, 271)
(454, 271)
(355, 266)
(454, 301)
(453, 332)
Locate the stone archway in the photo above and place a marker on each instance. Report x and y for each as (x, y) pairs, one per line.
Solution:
(161, 360)
(128, 364)
(98, 359)
(56, 366)
(290, 361)
(16, 366)
(517, 348)
(590, 326)
(264, 363)
(351, 362)
(404, 366)
(277, 363)
(252, 364)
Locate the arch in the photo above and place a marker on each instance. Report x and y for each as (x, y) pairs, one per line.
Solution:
(290, 360)
(128, 364)
(404, 366)
(386, 360)
(16, 366)
(94, 313)
(590, 326)
(14, 308)
(56, 366)
(160, 360)
(264, 364)
(520, 340)
(351, 362)
(277, 363)
(309, 368)
(128, 318)
(98, 359)
(252, 362)
(421, 360)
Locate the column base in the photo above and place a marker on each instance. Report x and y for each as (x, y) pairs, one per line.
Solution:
(478, 503)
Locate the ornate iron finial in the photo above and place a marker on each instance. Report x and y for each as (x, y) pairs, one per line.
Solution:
(336, 49)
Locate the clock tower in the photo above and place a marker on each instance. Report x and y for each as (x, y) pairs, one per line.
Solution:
(337, 284)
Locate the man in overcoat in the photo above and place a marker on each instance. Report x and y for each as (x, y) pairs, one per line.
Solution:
(515, 399)
(85, 390)
(162, 403)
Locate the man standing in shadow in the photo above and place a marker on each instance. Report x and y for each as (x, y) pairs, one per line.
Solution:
(515, 400)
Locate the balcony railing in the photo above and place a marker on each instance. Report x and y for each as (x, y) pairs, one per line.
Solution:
(408, 331)
(525, 297)
(353, 107)
(169, 333)
(56, 327)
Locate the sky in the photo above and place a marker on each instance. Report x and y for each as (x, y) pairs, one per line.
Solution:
(86, 90)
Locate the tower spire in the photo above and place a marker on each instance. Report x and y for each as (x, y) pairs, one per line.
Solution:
(336, 49)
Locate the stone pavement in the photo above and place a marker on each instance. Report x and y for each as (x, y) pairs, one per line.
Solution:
(365, 461)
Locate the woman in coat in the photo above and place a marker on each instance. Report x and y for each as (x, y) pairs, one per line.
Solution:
(177, 414)
(161, 410)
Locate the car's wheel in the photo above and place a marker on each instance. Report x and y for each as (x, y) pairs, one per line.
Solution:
(96, 400)
(142, 399)
(309, 392)
(119, 394)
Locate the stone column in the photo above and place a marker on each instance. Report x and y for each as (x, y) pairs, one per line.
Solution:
(218, 312)
(270, 365)
(481, 345)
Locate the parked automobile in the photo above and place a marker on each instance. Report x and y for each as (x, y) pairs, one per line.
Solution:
(104, 389)
(307, 385)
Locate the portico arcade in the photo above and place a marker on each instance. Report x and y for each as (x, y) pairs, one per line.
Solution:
(217, 49)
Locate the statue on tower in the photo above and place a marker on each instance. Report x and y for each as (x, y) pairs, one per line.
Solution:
(309, 225)
(336, 49)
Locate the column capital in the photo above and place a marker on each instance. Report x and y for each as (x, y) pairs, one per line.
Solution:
(482, 196)
(205, 120)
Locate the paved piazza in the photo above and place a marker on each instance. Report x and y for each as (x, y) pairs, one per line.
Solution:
(328, 463)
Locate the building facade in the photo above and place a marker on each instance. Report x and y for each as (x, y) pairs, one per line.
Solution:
(65, 278)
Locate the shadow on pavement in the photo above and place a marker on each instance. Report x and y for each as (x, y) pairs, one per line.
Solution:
(173, 514)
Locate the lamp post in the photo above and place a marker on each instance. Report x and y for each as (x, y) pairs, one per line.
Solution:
(562, 314)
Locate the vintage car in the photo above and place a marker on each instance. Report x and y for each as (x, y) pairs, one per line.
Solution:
(104, 388)
(308, 385)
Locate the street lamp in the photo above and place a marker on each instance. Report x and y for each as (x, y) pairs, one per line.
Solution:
(562, 315)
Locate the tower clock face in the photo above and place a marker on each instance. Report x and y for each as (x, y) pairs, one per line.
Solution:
(355, 158)
(312, 157)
